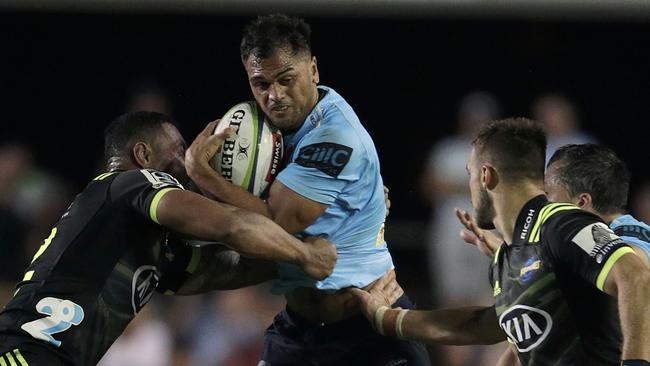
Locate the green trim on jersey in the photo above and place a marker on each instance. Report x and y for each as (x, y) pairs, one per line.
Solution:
(602, 276)
(104, 175)
(545, 214)
(153, 209)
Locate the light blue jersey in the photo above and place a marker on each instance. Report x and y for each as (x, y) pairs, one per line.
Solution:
(633, 231)
(333, 161)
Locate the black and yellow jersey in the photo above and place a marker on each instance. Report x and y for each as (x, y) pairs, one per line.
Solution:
(95, 271)
(548, 287)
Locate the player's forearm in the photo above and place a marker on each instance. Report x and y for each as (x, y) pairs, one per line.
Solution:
(258, 237)
(214, 186)
(460, 326)
(634, 312)
(248, 233)
(225, 269)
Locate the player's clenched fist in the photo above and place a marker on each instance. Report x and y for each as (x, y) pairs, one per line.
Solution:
(321, 257)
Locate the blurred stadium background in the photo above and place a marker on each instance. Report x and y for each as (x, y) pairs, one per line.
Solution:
(407, 67)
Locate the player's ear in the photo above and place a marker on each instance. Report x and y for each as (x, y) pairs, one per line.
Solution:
(584, 201)
(313, 68)
(489, 176)
(142, 154)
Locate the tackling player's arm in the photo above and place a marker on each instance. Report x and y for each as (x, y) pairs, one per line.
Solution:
(629, 280)
(589, 248)
(287, 208)
(193, 270)
(459, 326)
(248, 233)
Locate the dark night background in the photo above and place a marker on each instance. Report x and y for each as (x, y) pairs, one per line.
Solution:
(65, 76)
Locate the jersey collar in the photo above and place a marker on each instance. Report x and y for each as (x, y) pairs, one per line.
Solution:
(526, 219)
(312, 121)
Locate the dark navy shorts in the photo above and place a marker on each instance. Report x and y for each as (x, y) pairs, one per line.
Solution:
(291, 340)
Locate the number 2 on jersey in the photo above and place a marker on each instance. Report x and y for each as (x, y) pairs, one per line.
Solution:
(61, 315)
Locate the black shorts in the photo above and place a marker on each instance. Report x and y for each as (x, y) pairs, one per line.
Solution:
(28, 354)
(291, 340)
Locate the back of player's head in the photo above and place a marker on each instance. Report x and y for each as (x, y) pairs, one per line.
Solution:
(593, 169)
(126, 130)
(515, 146)
(268, 33)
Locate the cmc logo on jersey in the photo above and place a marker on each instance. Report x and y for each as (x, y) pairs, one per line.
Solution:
(145, 281)
(526, 326)
(329, 158)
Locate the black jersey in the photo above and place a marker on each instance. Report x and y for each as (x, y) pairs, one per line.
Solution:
(96, 270)
(548, 287)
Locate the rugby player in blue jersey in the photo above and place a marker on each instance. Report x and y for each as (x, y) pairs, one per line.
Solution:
(119, 241)
(330, 186)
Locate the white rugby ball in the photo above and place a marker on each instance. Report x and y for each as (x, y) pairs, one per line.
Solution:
(251, 158)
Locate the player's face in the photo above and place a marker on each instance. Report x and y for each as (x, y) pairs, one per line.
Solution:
(481, 201)
(169, 152)
(555, 191)
(284, 85)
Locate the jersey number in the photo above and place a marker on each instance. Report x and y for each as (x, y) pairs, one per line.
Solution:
(61, 315)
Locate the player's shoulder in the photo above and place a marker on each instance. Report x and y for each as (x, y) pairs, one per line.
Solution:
(566, 221)
(150, 178)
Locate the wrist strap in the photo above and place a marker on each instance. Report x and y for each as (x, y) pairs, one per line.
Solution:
(398, 323)
(379, 319)
(389, 321)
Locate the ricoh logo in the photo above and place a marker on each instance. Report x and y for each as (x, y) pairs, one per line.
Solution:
(525, 326)
(529, 220)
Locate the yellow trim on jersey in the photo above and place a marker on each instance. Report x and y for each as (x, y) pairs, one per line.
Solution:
(497, 289)
(46, 243)
(2, 361)
(545, 214)
(194, 261)
(154, 204)
(28, 275)
(20, 358)
(104, 175)
(12, 362)
(496, 255)
(618, 253)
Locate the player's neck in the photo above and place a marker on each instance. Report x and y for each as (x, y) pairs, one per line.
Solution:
(509, 200)
(120, 163)
(608, 218)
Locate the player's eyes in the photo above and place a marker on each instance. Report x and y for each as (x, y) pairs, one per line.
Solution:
(261, 85)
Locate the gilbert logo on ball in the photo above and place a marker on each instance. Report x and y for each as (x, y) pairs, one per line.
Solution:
(251, 158)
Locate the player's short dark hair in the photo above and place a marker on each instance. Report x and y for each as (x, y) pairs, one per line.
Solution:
(515, 146)
(593, 169)
(264, 35)
(129, 128)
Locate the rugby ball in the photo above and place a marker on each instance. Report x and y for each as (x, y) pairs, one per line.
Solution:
(251, 158)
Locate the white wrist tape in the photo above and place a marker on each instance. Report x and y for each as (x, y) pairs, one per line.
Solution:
(379, 319)
(398, 323)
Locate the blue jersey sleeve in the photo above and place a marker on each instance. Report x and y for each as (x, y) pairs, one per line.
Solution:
(323, 163)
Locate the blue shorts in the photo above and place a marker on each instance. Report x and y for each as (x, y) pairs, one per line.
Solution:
(291, 340)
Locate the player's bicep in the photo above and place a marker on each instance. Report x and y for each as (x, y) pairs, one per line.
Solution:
(591, 252)
(192, 214)
(292, 211)
(622, 271)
